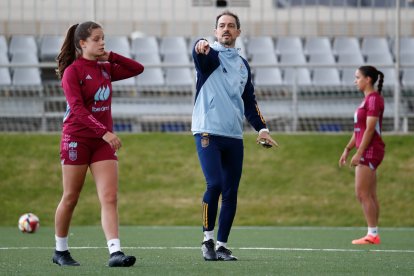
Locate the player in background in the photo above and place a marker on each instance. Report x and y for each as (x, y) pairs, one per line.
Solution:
(369, 146)
(88, 141)
(225, 94)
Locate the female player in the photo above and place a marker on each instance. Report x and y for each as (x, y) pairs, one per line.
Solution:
(370, 148)
(88, 141)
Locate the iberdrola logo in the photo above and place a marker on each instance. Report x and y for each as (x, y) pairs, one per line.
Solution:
(102, 94)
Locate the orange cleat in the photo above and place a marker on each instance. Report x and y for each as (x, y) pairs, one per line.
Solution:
(368, 239)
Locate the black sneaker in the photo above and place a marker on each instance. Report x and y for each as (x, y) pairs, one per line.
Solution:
(64, 258)
(224, 254)
(209, 253)
(120, 259)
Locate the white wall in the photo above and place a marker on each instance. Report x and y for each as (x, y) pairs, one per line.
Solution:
(179, 17)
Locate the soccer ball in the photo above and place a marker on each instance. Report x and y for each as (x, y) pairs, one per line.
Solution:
(28, 223)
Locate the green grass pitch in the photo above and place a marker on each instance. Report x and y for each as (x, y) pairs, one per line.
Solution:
(176, 251)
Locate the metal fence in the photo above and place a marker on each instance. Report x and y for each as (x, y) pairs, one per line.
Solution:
(287, 107)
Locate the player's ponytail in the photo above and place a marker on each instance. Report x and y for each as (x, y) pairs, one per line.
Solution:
(374, 74)
(380, 81)
(71, 48)
(68, 51)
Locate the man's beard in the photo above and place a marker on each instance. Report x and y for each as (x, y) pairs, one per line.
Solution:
(228, 42)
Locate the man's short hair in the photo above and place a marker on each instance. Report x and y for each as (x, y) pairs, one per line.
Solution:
(231, 14)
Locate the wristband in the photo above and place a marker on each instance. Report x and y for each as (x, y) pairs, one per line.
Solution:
(264, 130)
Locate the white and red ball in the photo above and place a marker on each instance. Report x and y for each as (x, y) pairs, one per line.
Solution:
(28, 223)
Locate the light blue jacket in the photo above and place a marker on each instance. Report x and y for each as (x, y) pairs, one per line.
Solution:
(224, 94)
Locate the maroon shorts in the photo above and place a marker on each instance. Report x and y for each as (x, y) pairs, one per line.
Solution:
(81, 151)
(372, 161)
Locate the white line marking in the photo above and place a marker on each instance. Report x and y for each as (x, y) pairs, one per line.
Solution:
(234, 248)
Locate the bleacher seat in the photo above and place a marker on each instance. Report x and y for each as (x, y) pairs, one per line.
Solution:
(22, 43)
(345, 58)
(348, 76)
(407, 58)
(146, 44)
(25, 58)
(5, 78)
(264, 58)
(389, 76)
(406, 45)
(326, 77)
(151, 77)
(176, 58)
(50, 46)
(293, 58)
(118, 44)
(173, 44)
(303, 74)
(181, 77)
(318, 45)
(4, 59)
(26, 77)
(300, 75)
(240, 45)
(346, 44)
(268, 77)
(292, 44)
(148, 58)
(348, 73)
(3, 45)
(321, 58)
(178, 76)
(407, 79)
(379, 59)
(125, 82)
(375, 45)
(260, 44)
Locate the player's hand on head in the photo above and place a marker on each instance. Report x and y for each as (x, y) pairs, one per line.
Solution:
(104, 57)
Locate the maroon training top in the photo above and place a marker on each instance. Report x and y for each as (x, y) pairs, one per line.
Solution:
(372, 105)
(88, 91)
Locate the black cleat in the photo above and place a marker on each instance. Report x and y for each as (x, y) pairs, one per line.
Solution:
(63, 258)
(119, 259)
(224, 254)
(209, 253)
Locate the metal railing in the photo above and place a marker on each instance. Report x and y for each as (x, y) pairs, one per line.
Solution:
(289, 108)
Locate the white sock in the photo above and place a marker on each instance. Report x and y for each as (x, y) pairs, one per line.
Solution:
(208, 235)
(373, 231)
(114, 245)
(61, 243)
(219, 243)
